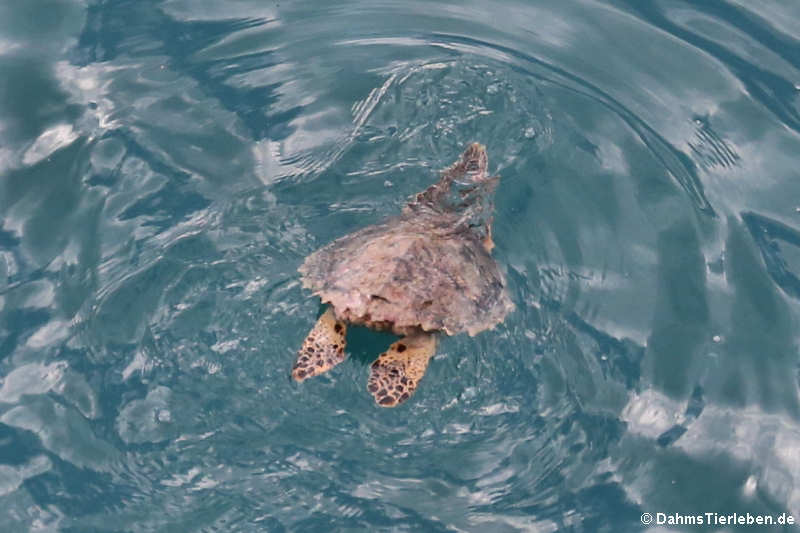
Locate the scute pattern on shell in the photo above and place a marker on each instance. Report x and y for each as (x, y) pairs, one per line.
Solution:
(419, 270)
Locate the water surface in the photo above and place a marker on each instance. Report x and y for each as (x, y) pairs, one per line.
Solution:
(165, 166)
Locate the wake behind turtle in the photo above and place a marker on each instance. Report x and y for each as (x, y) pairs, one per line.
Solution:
(425, 271)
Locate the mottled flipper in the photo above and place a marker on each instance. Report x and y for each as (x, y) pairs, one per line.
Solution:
(394, 375)
(323, 348)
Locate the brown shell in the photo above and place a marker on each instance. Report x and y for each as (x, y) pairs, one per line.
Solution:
(428, 268)
(397, 275)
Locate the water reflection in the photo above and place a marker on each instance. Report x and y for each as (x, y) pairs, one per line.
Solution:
(167, 165)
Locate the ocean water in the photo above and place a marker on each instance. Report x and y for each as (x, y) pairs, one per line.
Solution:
(165, 166)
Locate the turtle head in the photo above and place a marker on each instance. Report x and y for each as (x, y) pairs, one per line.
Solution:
(474, 162)
(465, 186)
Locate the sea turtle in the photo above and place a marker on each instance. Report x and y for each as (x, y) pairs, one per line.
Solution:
(425, 271)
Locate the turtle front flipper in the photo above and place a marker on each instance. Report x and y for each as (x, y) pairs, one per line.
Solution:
(394, 375)
(323, 348)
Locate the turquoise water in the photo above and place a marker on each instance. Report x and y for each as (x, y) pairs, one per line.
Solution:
(165, 166)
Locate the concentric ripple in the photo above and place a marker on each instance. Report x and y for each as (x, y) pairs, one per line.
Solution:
(165, 166)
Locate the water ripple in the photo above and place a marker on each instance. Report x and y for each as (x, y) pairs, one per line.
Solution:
(166, 166)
